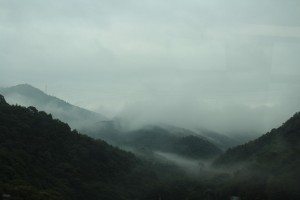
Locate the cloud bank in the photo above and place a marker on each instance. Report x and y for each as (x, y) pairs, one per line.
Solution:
(228, 65)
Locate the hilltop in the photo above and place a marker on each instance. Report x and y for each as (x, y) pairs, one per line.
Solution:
(27, 95)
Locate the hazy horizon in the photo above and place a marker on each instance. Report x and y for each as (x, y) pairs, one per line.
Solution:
(223, 65)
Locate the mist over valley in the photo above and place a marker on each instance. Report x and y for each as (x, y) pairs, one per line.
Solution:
(149, 100)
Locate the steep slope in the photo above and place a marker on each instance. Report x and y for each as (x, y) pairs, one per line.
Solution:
(282, 143)
(41, 158)
(27, 95)
(270, 164)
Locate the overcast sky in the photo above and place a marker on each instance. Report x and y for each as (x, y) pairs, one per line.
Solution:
(210, 63)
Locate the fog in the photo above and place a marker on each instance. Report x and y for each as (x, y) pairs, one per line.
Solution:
(190, 166)
(228, 66)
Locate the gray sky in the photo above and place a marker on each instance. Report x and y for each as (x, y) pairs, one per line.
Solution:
(214, 63)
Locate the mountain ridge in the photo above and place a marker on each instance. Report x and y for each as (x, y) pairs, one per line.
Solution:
(27, 95)
(169, 139)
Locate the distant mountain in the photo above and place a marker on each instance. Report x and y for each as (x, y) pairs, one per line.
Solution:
(269, 164)
(28, 95)
(163, 138)
(225, 141)
(172, 140)
(222, 141)
(108, 130)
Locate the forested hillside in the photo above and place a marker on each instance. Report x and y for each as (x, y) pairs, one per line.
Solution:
(41, 158)
(269, 166)
(159, 138)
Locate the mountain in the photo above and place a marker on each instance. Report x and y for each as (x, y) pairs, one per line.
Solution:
(270, 164)
(159, 138)
(282, 143)
(27, 95)
(98, 126)
(222, 141)
(226, 141)
(42, 158)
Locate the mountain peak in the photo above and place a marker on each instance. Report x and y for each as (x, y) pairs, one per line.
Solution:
(26, 87)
